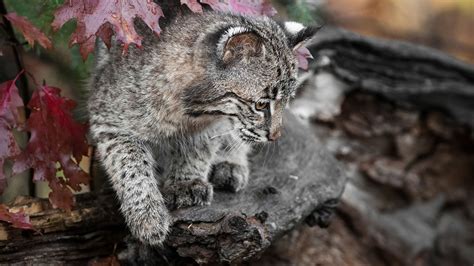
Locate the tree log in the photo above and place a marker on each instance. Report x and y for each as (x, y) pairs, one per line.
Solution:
(292, 180)
(401, 117)
(400, 71)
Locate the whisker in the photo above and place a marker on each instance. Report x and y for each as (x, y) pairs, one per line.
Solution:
(240, 145)
(273, 145)
(230, 145)
(236, 143)
(227, 147)
(260, 147)
(223, 134)
(266, 153)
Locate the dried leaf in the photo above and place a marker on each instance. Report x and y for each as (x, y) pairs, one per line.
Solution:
(56, 144)
(302, 54)
(91, 15)
(247, 7)
(10, 106)
(194, 5)
(18, 219)
(29, 31)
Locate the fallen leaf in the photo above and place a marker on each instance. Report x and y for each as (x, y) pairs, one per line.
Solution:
(17, 219)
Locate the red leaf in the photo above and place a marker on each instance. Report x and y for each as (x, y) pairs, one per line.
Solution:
(91, 15)
(248, 7)
(302, 54)
(56, 139)
(18, 219)
(10, 104)
(60, 195)
(31, 32)
(193, 5)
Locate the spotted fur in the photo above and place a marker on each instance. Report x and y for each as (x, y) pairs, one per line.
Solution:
(184, 109)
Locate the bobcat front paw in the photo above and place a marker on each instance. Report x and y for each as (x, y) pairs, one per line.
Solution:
(229, 176)
(185, 193)
(150, 224)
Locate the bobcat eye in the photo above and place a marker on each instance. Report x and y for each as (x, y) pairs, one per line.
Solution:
(261, 105)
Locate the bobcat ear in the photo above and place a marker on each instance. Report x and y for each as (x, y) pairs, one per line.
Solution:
(298, 34)
(239, 44)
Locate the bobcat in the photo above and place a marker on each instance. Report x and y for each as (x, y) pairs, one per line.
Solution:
(176, 118)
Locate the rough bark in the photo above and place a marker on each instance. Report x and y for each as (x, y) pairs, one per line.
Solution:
(400, 118)
(398, 70)
(408, 199)
(292, 180)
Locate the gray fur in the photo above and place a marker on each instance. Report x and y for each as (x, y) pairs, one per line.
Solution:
(182, 111)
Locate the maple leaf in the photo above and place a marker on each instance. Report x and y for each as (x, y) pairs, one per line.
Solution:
(17, 219)
(117, 15)
(57, 143)
(248, 7)
(10, 118)
(302, 54)
(29, 31)
(194, 5)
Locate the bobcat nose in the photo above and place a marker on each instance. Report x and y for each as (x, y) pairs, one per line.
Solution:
(275, 135)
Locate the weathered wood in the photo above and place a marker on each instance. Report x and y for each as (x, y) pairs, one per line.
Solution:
(398, 70)
(401, 117)
(290, 180)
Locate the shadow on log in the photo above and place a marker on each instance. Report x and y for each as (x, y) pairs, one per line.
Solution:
(291, 180)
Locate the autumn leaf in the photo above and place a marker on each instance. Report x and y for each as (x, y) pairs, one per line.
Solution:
(247, 7)
(98, 17)
(10, 118)
(57, 143)
(303, 54)
(29, 31)
(194, 5)
(17, 219)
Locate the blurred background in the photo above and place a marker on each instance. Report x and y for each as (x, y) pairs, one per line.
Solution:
(441, 24)
(409, 201)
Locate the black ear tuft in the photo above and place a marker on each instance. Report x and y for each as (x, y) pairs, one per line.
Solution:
(303, 36)
(299, 34)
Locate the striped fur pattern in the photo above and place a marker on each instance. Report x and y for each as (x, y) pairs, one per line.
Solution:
(176, 118)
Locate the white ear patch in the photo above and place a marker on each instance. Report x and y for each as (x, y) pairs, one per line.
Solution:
(293, 27)
(228, 34)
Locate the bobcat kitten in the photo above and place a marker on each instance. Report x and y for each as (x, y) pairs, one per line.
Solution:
(179, 115)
